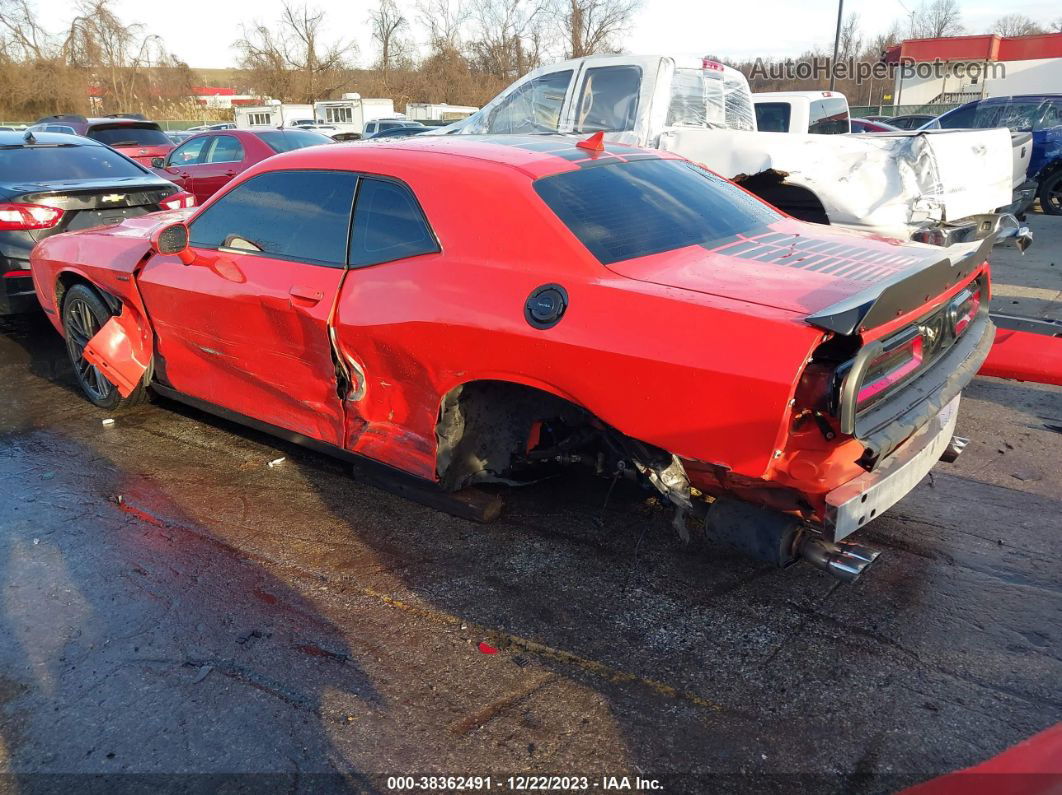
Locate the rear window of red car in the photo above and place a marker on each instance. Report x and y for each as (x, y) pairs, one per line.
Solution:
(129, 135)
(634, 209)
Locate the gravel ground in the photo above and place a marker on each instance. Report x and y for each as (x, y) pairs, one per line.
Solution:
(172, 607)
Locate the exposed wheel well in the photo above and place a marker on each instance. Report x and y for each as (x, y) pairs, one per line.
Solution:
(798, 201)
(503, 432)
(482, 425)
(68, 279)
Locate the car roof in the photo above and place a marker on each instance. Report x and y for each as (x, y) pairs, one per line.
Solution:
(18, 138)
(535, 155)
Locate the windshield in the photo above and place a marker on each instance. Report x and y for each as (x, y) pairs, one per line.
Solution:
(644, 207)
(129, 135)
(64, 164)
(293, 139)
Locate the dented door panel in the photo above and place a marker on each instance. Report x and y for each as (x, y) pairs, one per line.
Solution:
(248, 333)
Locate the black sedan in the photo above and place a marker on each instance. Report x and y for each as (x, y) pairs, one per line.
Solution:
(50, 183)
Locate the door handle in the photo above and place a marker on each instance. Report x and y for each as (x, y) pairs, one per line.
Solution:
(230, 173)
(305, 295)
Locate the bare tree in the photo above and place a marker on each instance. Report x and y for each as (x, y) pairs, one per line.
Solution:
(879, 44)
(1016, 25)
(292, 60)
(20, 34)
(120, 56)
(936, 18)
(851, 41)
(1056, 25)
(594, 26)
(445, 21)
(507, 38)
(388, 24)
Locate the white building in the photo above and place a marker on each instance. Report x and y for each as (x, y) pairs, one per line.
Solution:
(960, 69)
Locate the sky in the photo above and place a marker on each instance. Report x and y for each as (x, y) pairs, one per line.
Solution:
(201, 32)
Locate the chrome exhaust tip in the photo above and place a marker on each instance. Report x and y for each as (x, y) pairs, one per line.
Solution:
(844, 560)
(954, 449)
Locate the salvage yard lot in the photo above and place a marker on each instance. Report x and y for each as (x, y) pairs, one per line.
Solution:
(171, 603)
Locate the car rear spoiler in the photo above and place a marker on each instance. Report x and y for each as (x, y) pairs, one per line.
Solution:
(905, 291)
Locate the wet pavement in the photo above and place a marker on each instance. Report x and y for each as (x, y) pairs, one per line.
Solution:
(170, 604)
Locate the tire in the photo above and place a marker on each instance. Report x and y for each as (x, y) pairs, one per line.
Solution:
(84, 313)
(1050, 194)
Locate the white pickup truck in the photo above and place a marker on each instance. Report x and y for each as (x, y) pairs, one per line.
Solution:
(940, 187)
(819, 112)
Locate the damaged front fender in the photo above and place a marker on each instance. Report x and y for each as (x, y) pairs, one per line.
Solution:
(121, 350)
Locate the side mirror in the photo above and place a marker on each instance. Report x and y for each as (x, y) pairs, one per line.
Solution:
(158, 162)
(173, 239)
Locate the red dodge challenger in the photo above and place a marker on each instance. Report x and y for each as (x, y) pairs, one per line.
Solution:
(467, 310)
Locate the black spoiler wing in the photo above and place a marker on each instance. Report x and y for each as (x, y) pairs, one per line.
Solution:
(904, 291)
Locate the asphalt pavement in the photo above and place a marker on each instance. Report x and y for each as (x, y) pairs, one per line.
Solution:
(173, 608)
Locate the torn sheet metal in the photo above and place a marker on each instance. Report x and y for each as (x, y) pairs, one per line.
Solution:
(888, 184)
(117, 351)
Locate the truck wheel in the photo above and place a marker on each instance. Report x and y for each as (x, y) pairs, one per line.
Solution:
(1051, 194)
(84, 313)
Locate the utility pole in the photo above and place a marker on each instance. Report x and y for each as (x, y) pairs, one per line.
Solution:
(836, 44)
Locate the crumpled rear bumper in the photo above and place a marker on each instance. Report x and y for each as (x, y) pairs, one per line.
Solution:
(1006, 228)
(866, 497)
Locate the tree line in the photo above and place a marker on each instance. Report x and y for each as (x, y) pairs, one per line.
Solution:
(473, 49)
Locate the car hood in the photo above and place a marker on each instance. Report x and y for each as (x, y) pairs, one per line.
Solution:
(791, 265)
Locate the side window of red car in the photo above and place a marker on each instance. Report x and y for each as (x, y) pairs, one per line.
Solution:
(187, 154)
(388, 224)
(295, 215)
(224, 149)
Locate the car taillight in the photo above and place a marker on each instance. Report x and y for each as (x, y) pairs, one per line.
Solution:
(21, 217)
(178, 201)
(889, 368)
(963, 309)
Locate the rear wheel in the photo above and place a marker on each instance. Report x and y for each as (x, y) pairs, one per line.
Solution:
(1051, 194)
(84, 314)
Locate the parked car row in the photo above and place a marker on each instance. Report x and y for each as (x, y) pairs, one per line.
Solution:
(130, 134)
(206, 161)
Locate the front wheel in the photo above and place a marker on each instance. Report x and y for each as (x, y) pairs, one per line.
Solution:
(1051, 194)
(84, 314)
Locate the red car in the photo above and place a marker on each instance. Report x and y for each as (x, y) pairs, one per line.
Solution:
(872, 126)
(205, 163)
(131, 134)
(467, 310)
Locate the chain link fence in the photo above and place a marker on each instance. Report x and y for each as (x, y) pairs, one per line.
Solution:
(859, 111)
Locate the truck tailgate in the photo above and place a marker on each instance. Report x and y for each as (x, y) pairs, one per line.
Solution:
(888, 182)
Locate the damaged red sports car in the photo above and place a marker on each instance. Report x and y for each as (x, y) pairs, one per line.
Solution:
(467, 310)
